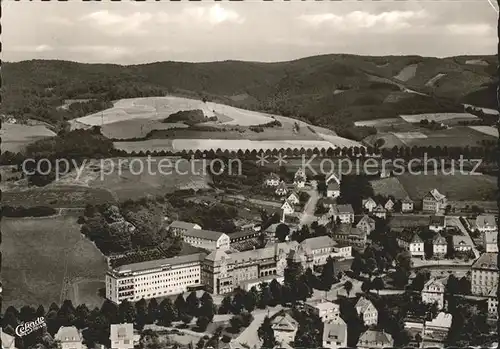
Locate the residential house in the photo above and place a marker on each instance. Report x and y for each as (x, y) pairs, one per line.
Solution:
(334, 177)
(434, 202)
(380, 212)
(484, 274)
(436, 330)
(367, 311)
(407, 205)
(493, 303)
(272, 180)
(490, 241)
(411, 242)
(372, 339)
(287, 207)
(462, 243)
(439, 246)
(326, 311)
(281, 189)
(487, 226)
(389, 205)
(285, 327)
(366, 224)
(300, 178)
(344, 213)
(350, 235)
(178, 228)
(69, 338)
(369, 204)
(122, 336)
(8, 341)
(293, 198)
(486, 223)
(437, 223)
(335, 334)
(207, 239)
(433, 292)
(333, 189)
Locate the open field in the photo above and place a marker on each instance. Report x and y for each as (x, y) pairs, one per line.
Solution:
(487, 130)
(57, 196)
(15, 137)
(39, 253)
(378, 122)
(389, 186)
(456, 187)
(459, 136)
(136, 128)
(432, 82)
(438, 117)
(407, 72)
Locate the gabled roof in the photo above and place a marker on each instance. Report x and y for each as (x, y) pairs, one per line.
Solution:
(366, 219)
(121, 331)
(204, 234)
(294, 193)
(333, 186)
(343, 209)
(389, 201)
(372, 336)
(370, 201)
(463, 240)
(318, 242)
(416, 239)
(483, 221)
(328, 201)
(407, 200)
(486, 261)
(273, 176)
(440, 221)
(335, 331)
(182, 225)
(287, 202)
(284, 323)
(217, 255)
(379, 208)
(436, 195)
(433, 282)
(281, 186)
(439, 240)
(68, 334)
(347, 229)
(363, 304)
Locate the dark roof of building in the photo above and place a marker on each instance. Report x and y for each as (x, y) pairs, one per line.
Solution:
(487, 261)
(182, 225)
(243, 233)
(342, 209)
(437, 220)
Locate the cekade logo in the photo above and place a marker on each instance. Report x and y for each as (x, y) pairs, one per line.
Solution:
(30, 326)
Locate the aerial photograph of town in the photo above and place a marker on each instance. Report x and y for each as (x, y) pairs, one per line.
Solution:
(247, 175)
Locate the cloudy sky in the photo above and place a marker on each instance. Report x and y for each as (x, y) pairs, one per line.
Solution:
(130, 33)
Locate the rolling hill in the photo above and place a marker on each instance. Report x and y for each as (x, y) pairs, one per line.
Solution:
(329, 90)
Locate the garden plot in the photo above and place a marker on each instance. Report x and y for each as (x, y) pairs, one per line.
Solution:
(407, 73)
(437, 117)
(488, 130)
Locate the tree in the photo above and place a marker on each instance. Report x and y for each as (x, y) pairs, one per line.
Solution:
(282, 231)
(180, 305)
(207, 307)
(327, 274)
(238, 300)
(202, 323)
(378, 284)
(226, 305)
(266, 334)
(166, 312)
(82, 314)
(200, 344)
(152, 311)
(276, 292)
(348, 287)
(126, 312)
(192, 304)
(265, 298)
(141, 310)
(357, 265)
(186, 318)
(366, 286)
(235, 323)
(251, 298)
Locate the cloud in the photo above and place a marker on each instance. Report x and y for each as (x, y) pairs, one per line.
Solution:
(115, 24)
(392, 20)
(104, 51)
(59, 21)
(32, 48)
(469, 29)
(213, 15)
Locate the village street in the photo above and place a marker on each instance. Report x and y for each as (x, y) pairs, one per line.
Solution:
(307, 216)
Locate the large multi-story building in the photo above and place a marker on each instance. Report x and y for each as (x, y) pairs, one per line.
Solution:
(152, 279)
(343, 213)
(350, 235)
(179, 227)
(484, 274)
(434, 202)
(433, 292)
